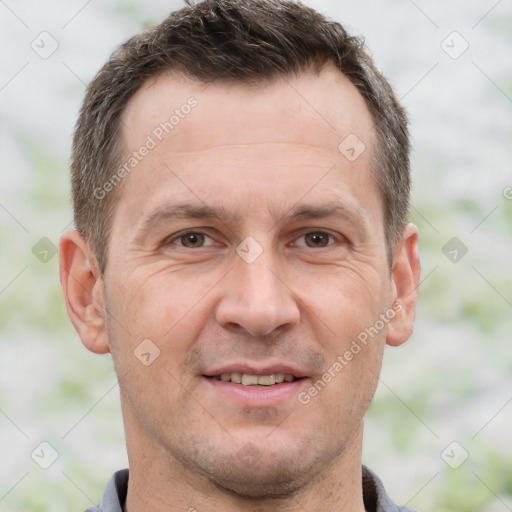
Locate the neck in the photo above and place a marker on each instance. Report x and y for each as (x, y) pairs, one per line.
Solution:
(160, 483)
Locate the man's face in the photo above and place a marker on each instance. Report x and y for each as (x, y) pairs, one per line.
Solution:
(246, 243)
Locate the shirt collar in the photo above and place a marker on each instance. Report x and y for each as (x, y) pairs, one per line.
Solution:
(374, 495)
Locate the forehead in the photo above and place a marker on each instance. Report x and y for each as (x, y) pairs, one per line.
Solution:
(270, 143)
(315, 109)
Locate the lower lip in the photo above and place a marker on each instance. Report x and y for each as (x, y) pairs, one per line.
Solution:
(258, 396)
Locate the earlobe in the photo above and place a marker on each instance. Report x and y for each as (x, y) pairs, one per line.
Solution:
(82, 286)
(405, 276)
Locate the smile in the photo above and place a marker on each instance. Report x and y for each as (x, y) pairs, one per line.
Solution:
(251, 387)
(247, 379)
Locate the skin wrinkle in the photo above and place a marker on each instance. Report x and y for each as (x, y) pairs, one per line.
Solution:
(207, 307)
(164, 215)
(187, 176)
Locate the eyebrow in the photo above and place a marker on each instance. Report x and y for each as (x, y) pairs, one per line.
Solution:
(320, 212)
(164, 215)
(352, 215)
(169, 213)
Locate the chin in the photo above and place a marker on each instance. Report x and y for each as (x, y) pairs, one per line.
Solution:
(267, 481)
(279, 472)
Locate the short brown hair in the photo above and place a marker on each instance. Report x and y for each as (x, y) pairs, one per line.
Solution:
(235, 41)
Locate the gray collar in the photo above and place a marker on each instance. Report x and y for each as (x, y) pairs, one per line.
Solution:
(374, 494)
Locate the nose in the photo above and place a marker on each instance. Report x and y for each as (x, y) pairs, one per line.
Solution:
(256, 299)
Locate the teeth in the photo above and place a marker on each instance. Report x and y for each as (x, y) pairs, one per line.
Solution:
(249, 380)
(266, 380)
(236, 377)
(255, 380)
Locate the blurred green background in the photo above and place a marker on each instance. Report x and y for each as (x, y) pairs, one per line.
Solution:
(444, 396)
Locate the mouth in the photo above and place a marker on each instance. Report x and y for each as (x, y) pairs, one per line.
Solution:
(255, 387)
(248, 379)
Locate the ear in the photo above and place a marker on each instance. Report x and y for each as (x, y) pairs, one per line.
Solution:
(82, 286)
(405, 276)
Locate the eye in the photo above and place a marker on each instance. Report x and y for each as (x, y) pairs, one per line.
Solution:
(192, 240)
(315, 239)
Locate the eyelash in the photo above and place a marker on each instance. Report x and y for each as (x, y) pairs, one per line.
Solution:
(331, 238)
(173, 239)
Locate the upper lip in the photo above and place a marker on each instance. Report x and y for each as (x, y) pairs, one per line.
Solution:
(253, 369)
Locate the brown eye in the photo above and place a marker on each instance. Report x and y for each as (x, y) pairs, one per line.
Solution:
(192, 240)
(317, 239)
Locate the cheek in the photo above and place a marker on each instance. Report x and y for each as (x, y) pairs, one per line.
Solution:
(346, 300)
(347, 323)
(159, 314)
(155, 304)
(342, 394)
